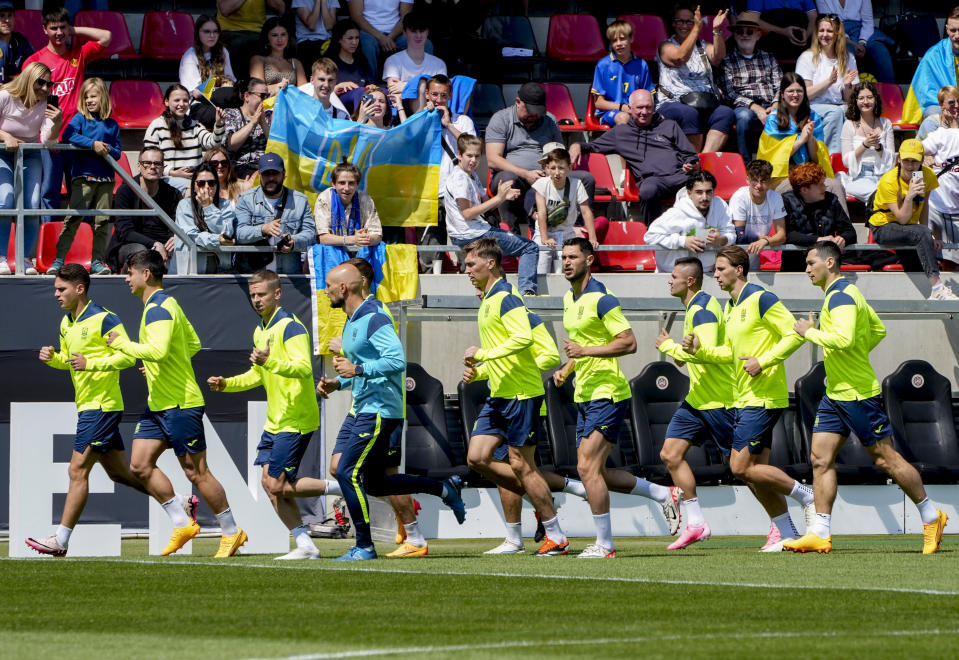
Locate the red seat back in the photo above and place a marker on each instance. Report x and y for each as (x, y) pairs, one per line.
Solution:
(627, 233)
(592, 124)
(560, 103)
(166, 34)
(574, 38)
(892, 101)
(598, 166)
(121, 45)
(729, 170)
(837, 164)
(11, 246)
(136, 102)
(29, 23)
(80, 252)
(125, 164)
(649, 31)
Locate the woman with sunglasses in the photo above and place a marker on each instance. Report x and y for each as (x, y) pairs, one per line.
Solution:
(248, 128)
(948, 117)
(276, 63)
(207, 58)
(25, 115)
(230, 186)
(868, 146)
(209, 220)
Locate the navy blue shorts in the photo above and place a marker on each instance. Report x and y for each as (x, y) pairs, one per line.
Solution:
(697, 426)
(501, 453)
(98, 430)
(395, 455)
(361, 429)
(182, 429)
(513, 419)
(282, 452)
(603, 415)
(754, 428)
(866, 418)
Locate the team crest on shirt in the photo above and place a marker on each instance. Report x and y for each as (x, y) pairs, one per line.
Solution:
(579, 313)
(742, 315)
(75, 62)
(355, 330)
(83, 333)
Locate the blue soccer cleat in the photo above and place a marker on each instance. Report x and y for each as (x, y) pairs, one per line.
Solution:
(455, 500)
(357, 553)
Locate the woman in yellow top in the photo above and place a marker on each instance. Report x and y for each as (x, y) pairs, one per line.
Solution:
(902, 214)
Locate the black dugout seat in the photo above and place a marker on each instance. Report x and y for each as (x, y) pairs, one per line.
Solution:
(429, 449)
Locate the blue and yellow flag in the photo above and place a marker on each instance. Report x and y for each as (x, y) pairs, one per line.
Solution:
(775, 146)
(935, 71)
(400, 166)
(206, 88)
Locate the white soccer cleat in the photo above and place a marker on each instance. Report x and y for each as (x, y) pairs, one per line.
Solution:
(671, 509)
(48, 546)
(777, 546)
(596, 551)
(299, 553)
(507, 548)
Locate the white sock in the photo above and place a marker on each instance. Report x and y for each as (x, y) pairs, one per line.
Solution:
(927, 511)
(694, 513)
(554, 531)
(413, 534)
(332, 487)
(63, 535)
(786, 527)
(604, 530)
(802, 493)
(174, 509)
(302, 537)
(514, 533)
(227, 524)
(574, 487)
(650, 490)
(821, 527)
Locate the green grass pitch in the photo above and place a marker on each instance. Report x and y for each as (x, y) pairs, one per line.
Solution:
(872, 597)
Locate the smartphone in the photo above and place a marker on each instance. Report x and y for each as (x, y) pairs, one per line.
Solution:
(53, 101)
(367, 98)
(917, 175)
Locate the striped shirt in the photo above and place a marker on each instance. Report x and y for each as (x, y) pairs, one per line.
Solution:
(194, 137)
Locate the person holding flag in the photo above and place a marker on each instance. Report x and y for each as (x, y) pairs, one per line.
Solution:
(936, 69)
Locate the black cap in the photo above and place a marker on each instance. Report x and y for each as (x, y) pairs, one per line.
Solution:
(534, 96)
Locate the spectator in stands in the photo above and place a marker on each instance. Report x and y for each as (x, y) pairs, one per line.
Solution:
(948, 116)
(618, 75)
(698, 220)
(558, 200)
(377, 109)
(181, 139)
(381, 22)
(67, 65)
(25, 115)
(868, 147)
(789, 25)
(274, 61)
(413, 61)
(936, 69)
(314, 18)
(93, 179)
(231, 187)
(829, 70)
(515, 138)
(857, 21)
(248, 128)
(215, 64)
(354, 72)
(345, 215)
(321, 86)
(813, 214)
(757, 213)
(241, 21)
(137, 233)
(749, 79)
(465, 209)
(687, 93)
(654, 148)
(942, 154)
(439, 91)
(14, 47)
(272, 214)
(208, 219)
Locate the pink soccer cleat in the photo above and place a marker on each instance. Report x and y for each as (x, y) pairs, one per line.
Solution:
(773, 539)
(690, 535)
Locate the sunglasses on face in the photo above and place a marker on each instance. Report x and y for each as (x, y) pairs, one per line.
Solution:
(203, 183)
(745, 32)
(151, 163)
(44, 83)
(262, 95)
(950, 102)
(218, 163)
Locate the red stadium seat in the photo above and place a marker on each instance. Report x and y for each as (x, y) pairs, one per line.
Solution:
(837, 165)
(649, 31)
(80, 252)
(729, 170)
(125, 164)
(630, 189)
(593, 124)
(627, 233)
(706, 34)
(11, 246)
(890, 267)
(166, 34)
(29, 23)
(121, 45)
(892, 102)
(598, 166)
(560, 103)
(574, 38)
(136, 102)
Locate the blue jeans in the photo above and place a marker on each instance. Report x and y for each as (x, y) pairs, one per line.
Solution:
(833, 117)
(32, 171)
(52, 182)
(371, 49)
(746, 119)
(513, 246)
(877, 48)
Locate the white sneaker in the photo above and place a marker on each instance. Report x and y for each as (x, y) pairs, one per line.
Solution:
(5, 267)
(671, 509)
(943, 293)
(507, 548)
(596, 551)
(300, 553)
(777, 546)
(809, 515)
(30, 269)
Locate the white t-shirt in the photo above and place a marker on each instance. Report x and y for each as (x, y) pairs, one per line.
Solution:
(820, 72)
(943, 143)
(759, 217)
(190, 68)
(304, 33)
(382, 14)
(577, 195)
(460, 185)
(336, 110)
(400, 66)
(463, 124)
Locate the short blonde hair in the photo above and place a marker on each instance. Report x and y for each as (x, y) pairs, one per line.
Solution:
(105, 109)
(948, 90)
(21, 87)
(619, 29)
(326, 65)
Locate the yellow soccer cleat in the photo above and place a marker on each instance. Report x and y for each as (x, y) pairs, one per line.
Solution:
(932, 534)
(409, 550)
(180, 537)
(809, 542)
(400, 534)
(230, 544)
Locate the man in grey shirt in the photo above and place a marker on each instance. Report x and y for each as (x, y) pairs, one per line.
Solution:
(515, 139)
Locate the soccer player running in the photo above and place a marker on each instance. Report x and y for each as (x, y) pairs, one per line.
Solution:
(372, 365)
(174, 414)
(848, 330)
(598, 335)
(705, 414)
(282, 364)
(95, 370)
(511, 411)
(759, 336)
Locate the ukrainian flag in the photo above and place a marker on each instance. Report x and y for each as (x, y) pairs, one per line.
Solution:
(400, 166)
(206, 88)
(776, 146)
(935, 71)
